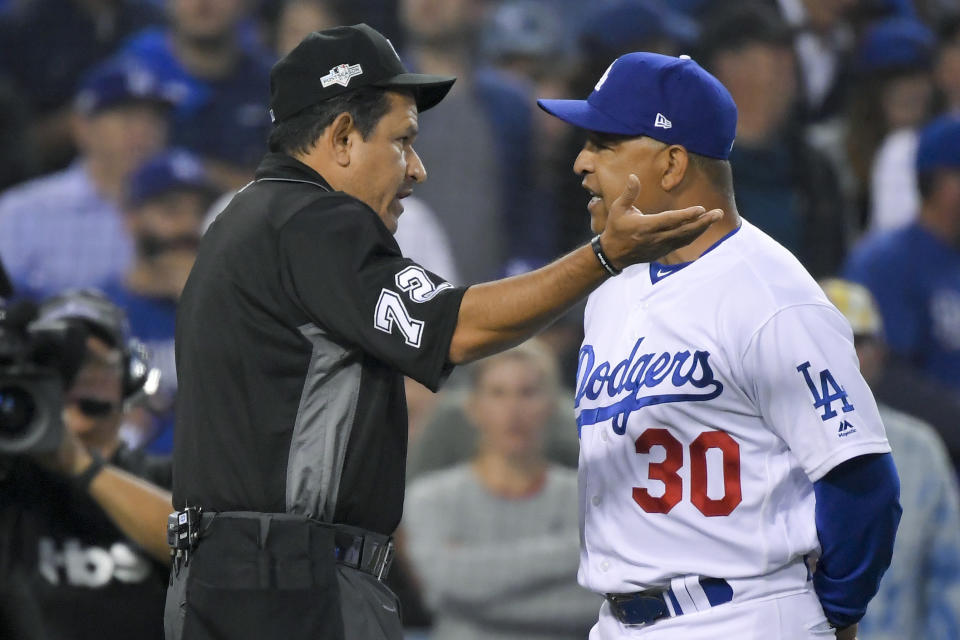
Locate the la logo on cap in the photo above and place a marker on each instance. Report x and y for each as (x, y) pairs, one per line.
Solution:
(603, 78)
(341, 74)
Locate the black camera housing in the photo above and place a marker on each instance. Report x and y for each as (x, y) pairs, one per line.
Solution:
(31, 402)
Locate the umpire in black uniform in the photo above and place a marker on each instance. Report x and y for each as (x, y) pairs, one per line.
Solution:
(296, 326)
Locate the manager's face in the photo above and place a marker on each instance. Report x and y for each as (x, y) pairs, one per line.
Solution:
(384, 165)
(605, 163)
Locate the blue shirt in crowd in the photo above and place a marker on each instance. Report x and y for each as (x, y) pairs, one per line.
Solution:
(57, 232)
(152, 322)
(915, 277)
(919, 595)
(225, 118)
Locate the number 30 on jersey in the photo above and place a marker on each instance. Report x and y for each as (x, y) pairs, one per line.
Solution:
(666, 472)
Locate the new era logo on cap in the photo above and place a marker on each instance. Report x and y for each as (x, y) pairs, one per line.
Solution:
(662, 122)
(341, 75)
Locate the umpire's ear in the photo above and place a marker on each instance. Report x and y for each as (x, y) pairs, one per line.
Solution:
(339, 139)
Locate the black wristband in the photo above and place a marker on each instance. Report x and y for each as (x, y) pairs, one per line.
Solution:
(605, 262)
(83, 479)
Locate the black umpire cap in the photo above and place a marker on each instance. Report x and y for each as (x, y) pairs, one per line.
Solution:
(327, 63)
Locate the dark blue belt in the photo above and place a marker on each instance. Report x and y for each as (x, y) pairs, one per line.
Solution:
(645, 607)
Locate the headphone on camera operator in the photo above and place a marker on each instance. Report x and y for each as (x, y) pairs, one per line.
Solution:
(106, 321)
(32, 396)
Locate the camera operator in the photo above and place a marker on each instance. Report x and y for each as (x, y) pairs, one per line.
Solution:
(83, 551)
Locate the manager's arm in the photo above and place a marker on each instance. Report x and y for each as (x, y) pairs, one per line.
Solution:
(857, 513)
(497, 315)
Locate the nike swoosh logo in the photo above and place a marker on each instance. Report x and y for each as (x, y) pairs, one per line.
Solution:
(390, 609)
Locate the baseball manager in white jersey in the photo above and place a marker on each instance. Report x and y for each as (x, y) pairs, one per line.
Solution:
(727, 437)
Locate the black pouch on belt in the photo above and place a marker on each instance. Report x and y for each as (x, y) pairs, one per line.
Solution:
(263, 576)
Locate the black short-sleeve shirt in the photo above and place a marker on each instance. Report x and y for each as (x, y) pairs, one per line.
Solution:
(294, 331)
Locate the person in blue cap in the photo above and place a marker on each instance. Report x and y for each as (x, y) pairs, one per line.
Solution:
(165, 203)
(728, 442)
(892, 95)
(65, 230)
(913, 271)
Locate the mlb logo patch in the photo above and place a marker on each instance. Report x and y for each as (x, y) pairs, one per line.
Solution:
(341, 74)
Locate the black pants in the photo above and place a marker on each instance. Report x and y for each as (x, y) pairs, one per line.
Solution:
(274, 576)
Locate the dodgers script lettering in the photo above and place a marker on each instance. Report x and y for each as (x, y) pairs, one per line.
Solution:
(642, 375)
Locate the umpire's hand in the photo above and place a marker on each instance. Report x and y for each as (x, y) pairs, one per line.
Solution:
(631, 236)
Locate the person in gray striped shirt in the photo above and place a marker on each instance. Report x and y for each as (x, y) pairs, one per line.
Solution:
(495, 541)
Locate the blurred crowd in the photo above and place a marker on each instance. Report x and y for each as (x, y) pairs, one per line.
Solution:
(126, 125)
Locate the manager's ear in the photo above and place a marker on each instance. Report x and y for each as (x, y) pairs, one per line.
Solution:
(675, 166)
(338, 138)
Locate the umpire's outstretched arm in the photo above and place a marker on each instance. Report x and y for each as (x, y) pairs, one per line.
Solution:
(497, 315)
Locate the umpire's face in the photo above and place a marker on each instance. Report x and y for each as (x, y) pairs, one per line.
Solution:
(384, 167)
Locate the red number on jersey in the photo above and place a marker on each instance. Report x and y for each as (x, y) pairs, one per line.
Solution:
(666, 472)
(732, 495)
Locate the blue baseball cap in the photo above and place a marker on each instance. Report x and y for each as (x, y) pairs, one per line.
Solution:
(673, 100)
(894, 44)
(939, 145)
(116, 82)
(173, 170)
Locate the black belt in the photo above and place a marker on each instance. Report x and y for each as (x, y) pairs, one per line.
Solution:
(363, 550)
(646, 607)
(354, 547)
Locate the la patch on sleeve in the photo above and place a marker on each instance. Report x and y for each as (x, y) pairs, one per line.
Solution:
(830, 391)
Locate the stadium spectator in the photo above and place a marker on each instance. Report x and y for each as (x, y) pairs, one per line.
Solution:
(897, 385)
(382, 15)
(422, 239)
(823, 41)
(891, 98)
(477, 145)
(166, 200)
(495, 540)
(297, 19)
(947, 70)
(622, 26)
(524, 38)
(65, 230)
(919, 595)
(47, 45)
(224, 116)
(82, 542)
(784, 186)
(525, 41)
(447, 437)
(912, 271)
